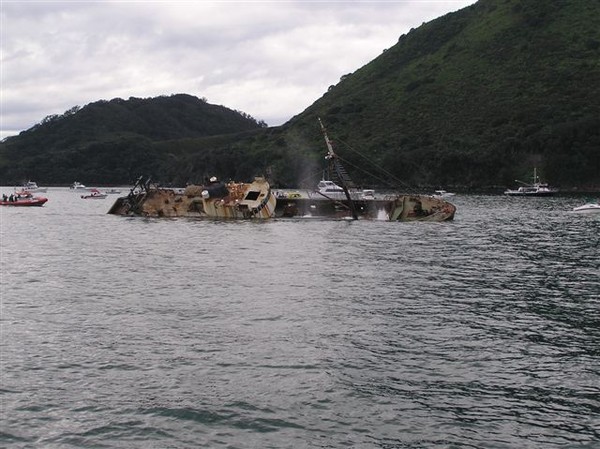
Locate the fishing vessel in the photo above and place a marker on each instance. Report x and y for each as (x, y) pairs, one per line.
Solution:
(334, 198)
(216, 199)
(537, 188)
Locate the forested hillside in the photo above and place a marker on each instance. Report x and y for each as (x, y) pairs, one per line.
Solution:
(472, 99)
(113, 141)
(480, 97)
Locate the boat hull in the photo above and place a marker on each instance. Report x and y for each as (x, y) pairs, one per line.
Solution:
(535, 189)
(94, 197)
(587, 209)
(168, 203)
(390, 208)
(240, 200)
(231, 201)
(538, 194)
(29, 202)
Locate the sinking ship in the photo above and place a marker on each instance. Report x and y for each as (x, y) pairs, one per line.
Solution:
(257, 200)
(231, 200)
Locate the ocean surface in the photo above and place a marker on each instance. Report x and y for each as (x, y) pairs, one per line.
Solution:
(122, 332)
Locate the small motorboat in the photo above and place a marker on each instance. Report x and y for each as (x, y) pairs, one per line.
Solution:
(112, 191)
(442, 194)
(22, 199)
(32, 187)
(77, 186)
(94, 194)
(588, 208)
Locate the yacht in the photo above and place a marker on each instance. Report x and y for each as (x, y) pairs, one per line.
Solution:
(31, 186)
(330, 189)
(77, 186)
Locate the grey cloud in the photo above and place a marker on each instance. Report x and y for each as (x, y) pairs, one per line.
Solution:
(269, 59)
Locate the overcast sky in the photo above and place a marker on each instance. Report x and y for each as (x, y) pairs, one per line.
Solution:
(269, 59)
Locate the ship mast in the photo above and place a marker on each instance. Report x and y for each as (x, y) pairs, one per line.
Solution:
(338, 169)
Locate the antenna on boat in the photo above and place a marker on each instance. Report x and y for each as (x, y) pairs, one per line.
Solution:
(338, 169)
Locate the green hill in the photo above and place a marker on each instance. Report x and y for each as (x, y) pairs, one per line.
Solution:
(472, 99)
(113, 141)
(480, 97)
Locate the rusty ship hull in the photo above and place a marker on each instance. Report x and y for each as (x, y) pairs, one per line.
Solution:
(390, 208)
(191, 204)
(232, 200)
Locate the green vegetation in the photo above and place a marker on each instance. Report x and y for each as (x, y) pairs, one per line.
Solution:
(113, 142)
(473, 99)
(479, 97)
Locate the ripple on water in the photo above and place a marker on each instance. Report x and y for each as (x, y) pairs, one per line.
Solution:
(122, 332)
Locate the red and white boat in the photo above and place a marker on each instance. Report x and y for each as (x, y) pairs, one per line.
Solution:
(94, 194)
(22, 199)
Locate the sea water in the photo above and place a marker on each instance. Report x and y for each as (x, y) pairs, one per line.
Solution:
(121, 332)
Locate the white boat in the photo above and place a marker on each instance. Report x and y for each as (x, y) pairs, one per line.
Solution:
(32, 187)
(535, 189)
(442, 194)
(368, 194)
(589, 208)
(77, 186)
(331, 191)
(94, 194)
(112, 191)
